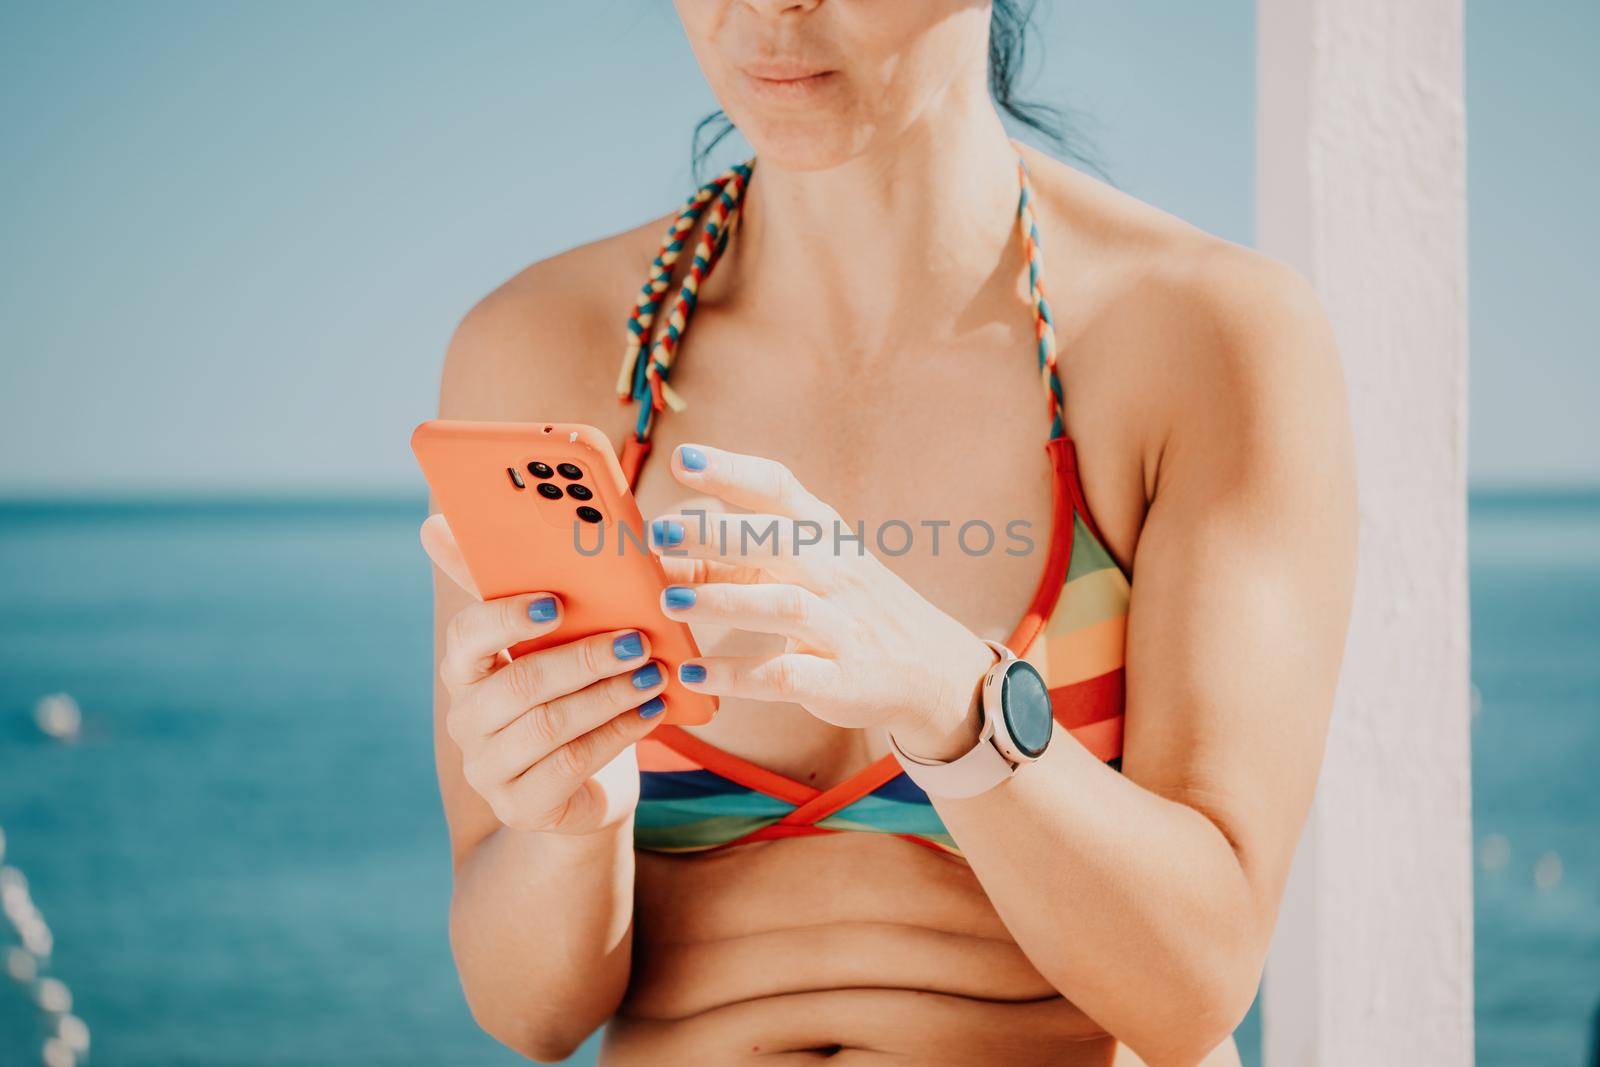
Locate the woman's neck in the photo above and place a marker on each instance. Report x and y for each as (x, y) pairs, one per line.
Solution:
(919, 223)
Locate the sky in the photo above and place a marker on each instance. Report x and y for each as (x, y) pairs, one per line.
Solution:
(235, 238)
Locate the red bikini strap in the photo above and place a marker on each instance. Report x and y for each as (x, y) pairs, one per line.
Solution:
(738, 771)
(829, 801)
(1064, 465)
(633, 456)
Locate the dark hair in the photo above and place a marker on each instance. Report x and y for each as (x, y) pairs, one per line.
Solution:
(1010, 22)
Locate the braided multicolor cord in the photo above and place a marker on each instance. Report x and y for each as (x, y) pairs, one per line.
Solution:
(643, 377)
(644, 372)
(1044, 325)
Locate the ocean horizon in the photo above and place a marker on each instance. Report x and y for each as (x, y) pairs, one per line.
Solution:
(242, 858)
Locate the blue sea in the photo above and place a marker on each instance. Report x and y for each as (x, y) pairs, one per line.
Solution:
(242, 860)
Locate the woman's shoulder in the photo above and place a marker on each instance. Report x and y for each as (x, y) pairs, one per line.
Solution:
(546, 344)
(1158, 263)
(1178, 319)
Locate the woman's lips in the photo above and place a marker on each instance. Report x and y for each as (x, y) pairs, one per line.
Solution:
(787, 83)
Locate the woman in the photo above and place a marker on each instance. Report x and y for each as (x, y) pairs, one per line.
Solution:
(868, 307)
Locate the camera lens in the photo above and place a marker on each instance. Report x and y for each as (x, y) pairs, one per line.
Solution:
(570, 470)
(588, 514)
(579, 492)
(540, 470)
(550, 491)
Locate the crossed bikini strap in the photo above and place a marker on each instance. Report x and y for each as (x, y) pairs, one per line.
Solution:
(646, 367)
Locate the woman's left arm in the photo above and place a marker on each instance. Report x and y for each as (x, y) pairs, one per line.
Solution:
(1147, 897)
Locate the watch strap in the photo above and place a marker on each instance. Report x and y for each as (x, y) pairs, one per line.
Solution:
(975, 771)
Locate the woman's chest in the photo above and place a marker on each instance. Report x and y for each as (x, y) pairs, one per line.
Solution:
(935, 460)
(939, 470)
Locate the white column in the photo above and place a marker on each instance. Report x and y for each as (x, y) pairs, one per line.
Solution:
(1361, 186)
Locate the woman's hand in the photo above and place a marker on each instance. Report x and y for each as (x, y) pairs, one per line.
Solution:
(864, 648)
(546, 739)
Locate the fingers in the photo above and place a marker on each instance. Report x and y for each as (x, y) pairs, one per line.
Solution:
(479, 632)
(440, 545)
(559, 792)
(749, 482)
(541, 730)
(684, 571)
(542, 677)
(795, 550)
(770, 608)
(533, 732)
(792, 677)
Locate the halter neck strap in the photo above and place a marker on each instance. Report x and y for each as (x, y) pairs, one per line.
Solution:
(647, 361)
(1043, 323)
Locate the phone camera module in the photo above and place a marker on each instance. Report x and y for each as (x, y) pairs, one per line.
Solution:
(570, 470)
(588, 514)
(550, 491)
(540, 470)
(579, 492)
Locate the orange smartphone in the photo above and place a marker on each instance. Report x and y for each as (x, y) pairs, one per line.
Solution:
(544, 506)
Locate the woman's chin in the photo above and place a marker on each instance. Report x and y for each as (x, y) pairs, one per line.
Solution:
(796, 145)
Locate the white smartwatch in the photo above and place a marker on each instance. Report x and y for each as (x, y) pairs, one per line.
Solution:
(1015, 729)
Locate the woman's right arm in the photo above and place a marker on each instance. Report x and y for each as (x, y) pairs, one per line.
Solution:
(540, 919)
(539, 784)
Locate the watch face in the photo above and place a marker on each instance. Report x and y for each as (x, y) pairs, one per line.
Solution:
(1025, 702)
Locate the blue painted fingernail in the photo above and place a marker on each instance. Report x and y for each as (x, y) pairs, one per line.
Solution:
(543, 609)
(652, 707)
(647, 676)
(692, 458)
(628, 646)
(691, 672)
(667, 532)
(679, 597)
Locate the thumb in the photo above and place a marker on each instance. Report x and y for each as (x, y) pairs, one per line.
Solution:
(440, 545)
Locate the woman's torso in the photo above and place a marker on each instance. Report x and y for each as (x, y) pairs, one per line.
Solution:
(857, 941)
(861, 947)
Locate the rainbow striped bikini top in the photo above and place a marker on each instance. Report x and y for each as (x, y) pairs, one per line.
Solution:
(693, 795)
